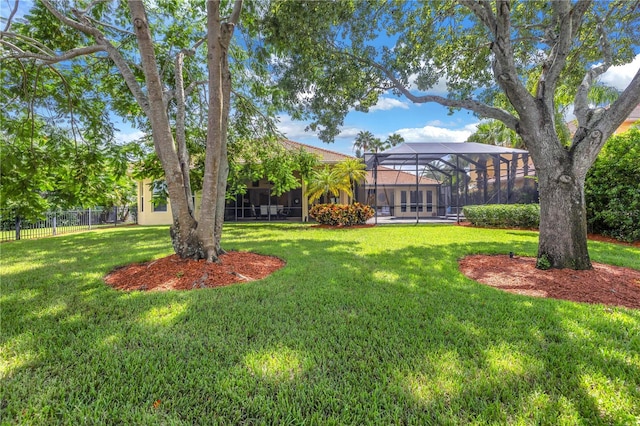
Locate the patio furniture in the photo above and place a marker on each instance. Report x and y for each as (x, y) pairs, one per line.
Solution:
(264, 211)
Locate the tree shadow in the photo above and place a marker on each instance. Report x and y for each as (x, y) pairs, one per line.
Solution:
(342, 334)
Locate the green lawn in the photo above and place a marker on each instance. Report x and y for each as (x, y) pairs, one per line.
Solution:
(363, 326)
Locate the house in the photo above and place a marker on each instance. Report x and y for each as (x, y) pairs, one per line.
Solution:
(258, 203)
(397, 194)
(632, 119)
(428, 179)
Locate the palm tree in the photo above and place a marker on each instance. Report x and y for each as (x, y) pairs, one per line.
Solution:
(326, 181)
(393, 140)
(352, 170)
(494, 132)
(377, 145)
(363, 143)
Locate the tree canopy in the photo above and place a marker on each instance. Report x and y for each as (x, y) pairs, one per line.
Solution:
(176, 70)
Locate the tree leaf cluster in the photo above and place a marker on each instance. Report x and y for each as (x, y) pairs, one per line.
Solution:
(43, 168)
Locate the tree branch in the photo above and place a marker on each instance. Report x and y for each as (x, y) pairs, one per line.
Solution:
(479, 108)
(14, 10)
(113, 27)
(89, 7)
(483, 12)
(193, 85)
(70, 54)
(568, 20)
(114, 54)
(235, 15)
(504, 68)
(30, 41)
(581, 103)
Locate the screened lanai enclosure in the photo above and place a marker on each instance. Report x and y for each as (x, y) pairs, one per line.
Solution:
(426, 181)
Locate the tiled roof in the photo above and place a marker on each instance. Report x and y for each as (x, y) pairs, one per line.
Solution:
(388, 176)
(632, 118)
(635, 114)
(326, 156)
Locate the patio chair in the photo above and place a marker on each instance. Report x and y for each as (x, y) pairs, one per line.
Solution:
(273, 211)
(264, 211)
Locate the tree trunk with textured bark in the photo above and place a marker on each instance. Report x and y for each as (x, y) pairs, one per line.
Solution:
(196, 239)
(563, 221)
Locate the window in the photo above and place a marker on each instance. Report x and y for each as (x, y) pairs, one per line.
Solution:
(403, 201)
(159, 196)
(416, 200)
(429, 201)
(141, 191)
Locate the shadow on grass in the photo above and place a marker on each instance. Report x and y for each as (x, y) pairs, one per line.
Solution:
(342, 334)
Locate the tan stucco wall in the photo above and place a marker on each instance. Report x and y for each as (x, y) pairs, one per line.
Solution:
(146, 215)
(625, 126)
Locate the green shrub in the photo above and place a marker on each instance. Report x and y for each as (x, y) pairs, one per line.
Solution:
(612, 188)
(341, 214)
(504, 215)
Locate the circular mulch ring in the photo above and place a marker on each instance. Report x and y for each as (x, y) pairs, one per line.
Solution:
(606, 284)
(174, 273)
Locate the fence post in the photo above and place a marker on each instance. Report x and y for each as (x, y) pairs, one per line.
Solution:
(18, 227)
(53, 224)
(115, 216)
(89, 218)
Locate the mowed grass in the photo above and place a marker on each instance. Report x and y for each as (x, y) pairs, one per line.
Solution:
(362, 326)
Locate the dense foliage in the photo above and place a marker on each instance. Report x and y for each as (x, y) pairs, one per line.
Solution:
(43, 168)
(612, 188)
(504, 215)
(341, 214)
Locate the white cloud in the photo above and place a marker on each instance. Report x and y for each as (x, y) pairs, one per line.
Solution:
(349, 133)
(440, 88)
(430, 133)
(385, 104)
(620, 76)
(131, 136)
(294, 130)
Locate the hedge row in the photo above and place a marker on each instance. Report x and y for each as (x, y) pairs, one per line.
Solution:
(341, 214)
(504, 215)
(612, 188)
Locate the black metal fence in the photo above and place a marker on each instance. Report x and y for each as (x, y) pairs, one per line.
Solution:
(64, 222)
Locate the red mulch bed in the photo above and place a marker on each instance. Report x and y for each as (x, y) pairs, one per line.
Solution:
(606, 284)
(174, 273)
(609, 285)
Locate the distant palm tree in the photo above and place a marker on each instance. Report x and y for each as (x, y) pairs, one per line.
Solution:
(494, 132)
(377, 146)
(326, 181)
(393, 140)
(364, 142)
(352, 170)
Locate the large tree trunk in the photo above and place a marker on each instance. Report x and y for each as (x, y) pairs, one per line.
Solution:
(561, 175)
(563, 222)
(216, 166)
(186, 242)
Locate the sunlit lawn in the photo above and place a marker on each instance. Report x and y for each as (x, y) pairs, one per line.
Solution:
(363, 326)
